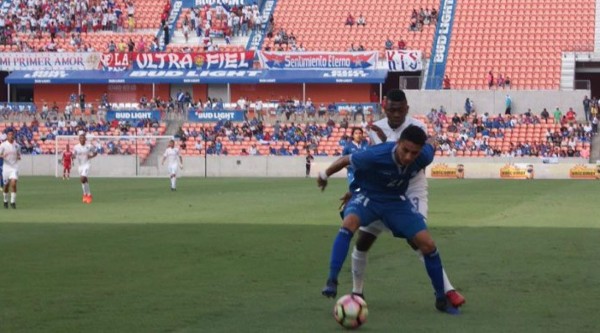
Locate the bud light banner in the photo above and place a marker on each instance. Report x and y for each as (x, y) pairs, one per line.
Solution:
(133, 115)
(173, 61)
(211, 115)
(318, 60)
(404, 60)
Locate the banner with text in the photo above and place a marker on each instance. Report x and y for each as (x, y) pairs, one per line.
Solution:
(445, 171)
(177, 60)
(13, 61)
(215, 115)
(318, 60)
(404, 60)
(133, 115)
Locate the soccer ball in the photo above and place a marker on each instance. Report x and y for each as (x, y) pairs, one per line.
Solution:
(350, 311)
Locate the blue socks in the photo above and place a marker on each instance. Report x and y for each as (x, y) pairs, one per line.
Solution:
(433, 264)
(341, 245)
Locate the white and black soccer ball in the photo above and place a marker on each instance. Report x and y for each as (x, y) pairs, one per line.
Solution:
(350, 311)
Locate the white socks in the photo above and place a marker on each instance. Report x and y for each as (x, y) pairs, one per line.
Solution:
(359, 264)
(173, 182)
(13, 197)
(86, 188)
(5, 195)
(447, 285)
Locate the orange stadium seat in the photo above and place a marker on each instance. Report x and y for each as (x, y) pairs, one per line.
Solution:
(524, 47)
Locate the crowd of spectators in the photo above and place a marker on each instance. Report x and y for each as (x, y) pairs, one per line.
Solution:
(423, 17)
(471, 132)
(285, 139)
(497, 82)
(63, 19)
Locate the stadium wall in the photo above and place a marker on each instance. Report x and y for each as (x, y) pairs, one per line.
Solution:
(422, 101)
(277, 166)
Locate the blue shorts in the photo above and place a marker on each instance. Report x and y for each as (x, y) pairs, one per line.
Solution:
(399, 216)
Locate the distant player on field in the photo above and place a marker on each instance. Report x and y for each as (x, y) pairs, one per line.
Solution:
(172, 156)
(11, 154)
(67, 159)
(2, 138)
(84, 153)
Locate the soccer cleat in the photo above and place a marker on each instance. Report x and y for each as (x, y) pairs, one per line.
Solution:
(84, 199)
(330, 289)
(5, 204)
(361, 295)
(89, 198)
(455, 298)
(173, 189)
(443, 305)
(13, 205)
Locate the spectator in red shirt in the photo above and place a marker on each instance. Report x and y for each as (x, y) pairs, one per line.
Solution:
(446, 83)
(571, 115)
(401, 44)
(350, 20)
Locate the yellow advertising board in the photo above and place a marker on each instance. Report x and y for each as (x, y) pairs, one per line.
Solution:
(443, 170)
(517, 171)
(582, 171)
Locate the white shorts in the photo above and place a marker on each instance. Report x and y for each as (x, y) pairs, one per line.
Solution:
(173, 169)
(84, 170)
(9, 173)
(420, 204)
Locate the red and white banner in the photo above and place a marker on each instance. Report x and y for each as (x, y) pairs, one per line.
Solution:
(14, 61)
(175, 61)
(404, 60)
(318, 60)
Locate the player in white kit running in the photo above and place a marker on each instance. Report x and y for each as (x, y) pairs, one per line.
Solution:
(84, 152)
(174, 160)
(10, 151)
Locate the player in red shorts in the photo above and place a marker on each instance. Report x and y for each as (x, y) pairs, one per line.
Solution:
(67, 158)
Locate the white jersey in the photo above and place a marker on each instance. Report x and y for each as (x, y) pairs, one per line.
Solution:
(82, 153)
(172, 156)
(10, 152)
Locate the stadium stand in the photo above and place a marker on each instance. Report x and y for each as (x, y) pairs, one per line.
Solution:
(319, 25)
(519, 39)
(40, 138)
(78, 27)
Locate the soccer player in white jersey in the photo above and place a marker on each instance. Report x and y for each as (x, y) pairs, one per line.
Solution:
(84, 152)
(388, 130)
(10, 151)
(172, 156)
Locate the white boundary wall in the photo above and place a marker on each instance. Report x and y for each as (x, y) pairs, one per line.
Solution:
(493, 101)
(280, 166)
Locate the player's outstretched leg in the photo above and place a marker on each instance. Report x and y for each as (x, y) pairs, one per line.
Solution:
(435, 270)
(339, 251)
(455, 298)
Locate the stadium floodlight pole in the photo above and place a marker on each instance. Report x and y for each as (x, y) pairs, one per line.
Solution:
(8, 92)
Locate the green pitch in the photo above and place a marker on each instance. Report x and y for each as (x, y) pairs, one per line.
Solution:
(251, 255)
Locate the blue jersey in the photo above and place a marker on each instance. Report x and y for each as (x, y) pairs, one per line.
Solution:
(349, 149)
(378, 175)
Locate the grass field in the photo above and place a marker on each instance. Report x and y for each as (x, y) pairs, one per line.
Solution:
(251, 255)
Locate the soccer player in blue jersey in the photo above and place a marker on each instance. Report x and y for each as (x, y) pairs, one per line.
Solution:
(382, 175)
(357, 144)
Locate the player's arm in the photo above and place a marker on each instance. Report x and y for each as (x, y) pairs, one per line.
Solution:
(376, 134)
(335, 167)
(180, 162)
(18, 153)
(426, 156)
